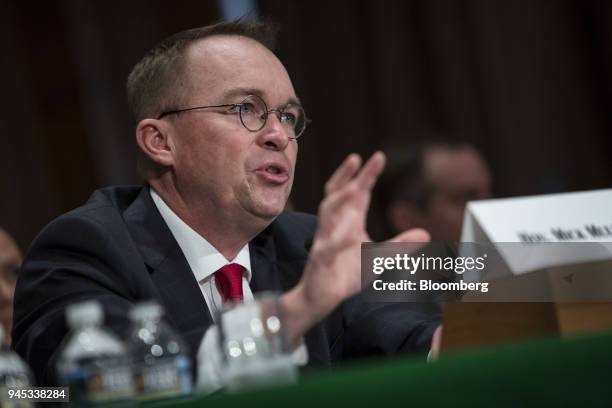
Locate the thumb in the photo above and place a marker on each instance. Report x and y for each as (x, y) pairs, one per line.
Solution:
(415, 235)
(436, 344)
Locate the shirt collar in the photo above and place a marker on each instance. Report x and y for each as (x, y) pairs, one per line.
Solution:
(203, 258)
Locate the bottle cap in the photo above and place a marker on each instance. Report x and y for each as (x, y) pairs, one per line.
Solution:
(84, 313)
(146, 311)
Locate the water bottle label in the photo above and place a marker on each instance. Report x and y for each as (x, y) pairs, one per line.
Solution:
(109, 384)
(8, 400)
(164, 379)
(14, 379)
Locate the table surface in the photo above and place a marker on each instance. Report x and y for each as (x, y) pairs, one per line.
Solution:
(544, 372)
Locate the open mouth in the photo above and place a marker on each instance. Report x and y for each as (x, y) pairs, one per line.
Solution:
(274, 173)
(274, 170)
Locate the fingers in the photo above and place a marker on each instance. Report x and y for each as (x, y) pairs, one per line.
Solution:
(349, 194)
(371, 170)
(418, 237)
(365, 179)
(336, 207)
(343, 174)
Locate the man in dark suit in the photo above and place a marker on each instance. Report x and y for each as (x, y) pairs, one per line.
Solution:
(218, 120)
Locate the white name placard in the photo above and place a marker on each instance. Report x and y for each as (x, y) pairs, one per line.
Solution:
(566, 217)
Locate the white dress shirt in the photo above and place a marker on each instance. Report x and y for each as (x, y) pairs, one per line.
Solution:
(204, 260)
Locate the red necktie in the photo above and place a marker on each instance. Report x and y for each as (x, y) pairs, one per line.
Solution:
(229, 282)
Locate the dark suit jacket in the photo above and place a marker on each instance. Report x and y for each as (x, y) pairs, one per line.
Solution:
(118, 250)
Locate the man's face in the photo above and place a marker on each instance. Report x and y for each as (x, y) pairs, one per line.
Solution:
(10, 260)
(218, 161)
(457, 175)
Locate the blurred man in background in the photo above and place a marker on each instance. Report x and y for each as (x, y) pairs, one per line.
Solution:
(10, 260)
(429, 185)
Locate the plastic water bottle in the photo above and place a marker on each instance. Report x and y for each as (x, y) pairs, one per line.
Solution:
(162, 368)
(14, 374)
(254, 347)
(93, 361)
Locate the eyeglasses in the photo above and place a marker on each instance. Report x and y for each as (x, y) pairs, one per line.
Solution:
(254, 113)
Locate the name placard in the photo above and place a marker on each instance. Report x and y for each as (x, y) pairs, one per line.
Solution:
(581, 217)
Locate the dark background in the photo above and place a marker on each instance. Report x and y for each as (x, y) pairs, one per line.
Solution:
(529, 82)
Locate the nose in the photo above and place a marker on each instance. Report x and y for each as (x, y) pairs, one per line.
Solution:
(274, 135)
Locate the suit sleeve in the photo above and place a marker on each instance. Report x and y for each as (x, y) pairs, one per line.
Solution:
(377, 328)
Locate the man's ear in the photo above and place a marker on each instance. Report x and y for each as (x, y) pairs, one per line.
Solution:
(403, 216)
(153, 138)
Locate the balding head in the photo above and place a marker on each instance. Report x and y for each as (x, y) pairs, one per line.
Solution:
(157, 81)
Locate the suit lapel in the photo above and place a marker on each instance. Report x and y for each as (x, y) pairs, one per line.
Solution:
(264, 276)
(179, 291)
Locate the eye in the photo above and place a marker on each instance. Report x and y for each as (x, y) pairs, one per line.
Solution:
(289, 118)
(245, 108)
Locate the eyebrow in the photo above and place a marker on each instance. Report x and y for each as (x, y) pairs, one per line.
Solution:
(254, 91)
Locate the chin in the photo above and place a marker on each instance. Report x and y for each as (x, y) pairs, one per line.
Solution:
(264, 203)
(268, 210)
(269, 213)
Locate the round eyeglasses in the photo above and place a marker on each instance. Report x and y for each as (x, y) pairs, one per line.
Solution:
(254, 113)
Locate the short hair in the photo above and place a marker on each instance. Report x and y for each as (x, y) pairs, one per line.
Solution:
(155, 83)
(404, 178)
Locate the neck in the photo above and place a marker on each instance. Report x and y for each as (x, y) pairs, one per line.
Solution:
(227, 232)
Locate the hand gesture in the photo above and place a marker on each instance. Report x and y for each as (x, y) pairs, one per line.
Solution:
(333, 271)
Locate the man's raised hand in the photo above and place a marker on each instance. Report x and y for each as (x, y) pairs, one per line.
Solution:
(333, 271)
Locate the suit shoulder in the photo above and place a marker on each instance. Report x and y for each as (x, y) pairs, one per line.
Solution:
(293, 234)
(298, 222)
(113, 199)
(91, 222)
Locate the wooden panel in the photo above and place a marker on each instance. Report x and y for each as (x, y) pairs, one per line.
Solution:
(584, 317)
(471, 325)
